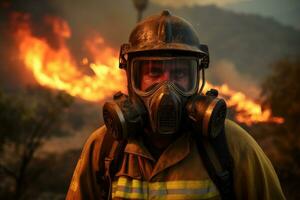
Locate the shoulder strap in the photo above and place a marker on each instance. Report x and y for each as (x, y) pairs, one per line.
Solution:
(111, 157)
(218, 162)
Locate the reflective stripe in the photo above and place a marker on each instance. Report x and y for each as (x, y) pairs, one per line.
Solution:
(135, 189)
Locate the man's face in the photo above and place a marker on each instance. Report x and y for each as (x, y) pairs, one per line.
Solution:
(181, 72)
(157, 72)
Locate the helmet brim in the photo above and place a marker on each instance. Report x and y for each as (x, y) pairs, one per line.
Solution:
(169, 47)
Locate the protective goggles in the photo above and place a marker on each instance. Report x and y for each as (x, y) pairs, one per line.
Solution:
(149, 73)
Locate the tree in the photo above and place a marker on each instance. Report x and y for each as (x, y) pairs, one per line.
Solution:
(281, 91)
(27, 120)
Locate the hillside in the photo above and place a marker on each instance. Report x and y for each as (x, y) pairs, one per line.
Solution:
(250, 41)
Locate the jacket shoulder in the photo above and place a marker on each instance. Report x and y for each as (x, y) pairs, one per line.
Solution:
(84, 181)
(254, 175)
(97, 135)
(239, 139)
(92, 147)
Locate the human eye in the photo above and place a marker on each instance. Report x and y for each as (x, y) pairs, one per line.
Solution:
(155, 72)
(179, 74)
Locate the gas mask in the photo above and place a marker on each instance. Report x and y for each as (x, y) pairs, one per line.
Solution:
(165, 93)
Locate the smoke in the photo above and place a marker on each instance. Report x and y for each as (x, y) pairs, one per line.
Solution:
(112, 19)
(181, 3)
(224, 71)
(13, 74)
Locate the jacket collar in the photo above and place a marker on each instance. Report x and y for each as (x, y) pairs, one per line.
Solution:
(136, 147)
(173, 154)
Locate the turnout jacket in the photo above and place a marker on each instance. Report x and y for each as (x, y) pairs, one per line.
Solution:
(179, 173)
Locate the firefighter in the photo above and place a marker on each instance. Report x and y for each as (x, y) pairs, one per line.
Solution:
(167, 139)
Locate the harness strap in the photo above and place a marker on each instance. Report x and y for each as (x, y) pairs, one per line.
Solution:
(104, 150)
(225, 177)
(108, 160)
(111, 154)
(218, 162)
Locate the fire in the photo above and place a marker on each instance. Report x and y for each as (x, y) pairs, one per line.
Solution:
(57, 68)
(248, 111)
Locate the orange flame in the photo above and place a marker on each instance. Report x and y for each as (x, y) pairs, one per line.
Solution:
(56, 68)
(248, 111)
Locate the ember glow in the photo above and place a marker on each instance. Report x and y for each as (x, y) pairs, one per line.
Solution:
(57, 68)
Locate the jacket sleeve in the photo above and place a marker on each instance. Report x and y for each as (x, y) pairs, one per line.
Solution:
(254, 175)
(84, 183)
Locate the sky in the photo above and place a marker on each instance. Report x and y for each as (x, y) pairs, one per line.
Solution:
(284, 11)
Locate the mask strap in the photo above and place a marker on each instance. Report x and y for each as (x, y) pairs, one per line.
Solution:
(203, 81)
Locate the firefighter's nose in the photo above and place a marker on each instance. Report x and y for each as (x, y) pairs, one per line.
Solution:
(166, 76)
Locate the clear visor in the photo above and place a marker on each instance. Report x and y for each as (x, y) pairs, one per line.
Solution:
(149, 73)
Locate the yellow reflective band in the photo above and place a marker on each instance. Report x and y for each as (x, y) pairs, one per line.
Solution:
(122, 181)
(184, 197)
(181, 184)
(129, 195)
(136, 189)
(126, 188)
